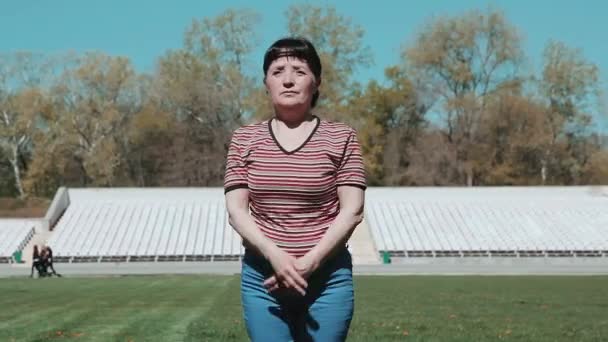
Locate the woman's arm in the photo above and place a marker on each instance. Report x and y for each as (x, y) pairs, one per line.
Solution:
(351, 214)
(237, 203)
(352, 201)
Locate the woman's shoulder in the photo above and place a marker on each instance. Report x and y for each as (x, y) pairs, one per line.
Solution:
(250, 130)
(336, 127)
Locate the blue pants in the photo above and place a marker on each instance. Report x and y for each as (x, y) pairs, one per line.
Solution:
(324, 314)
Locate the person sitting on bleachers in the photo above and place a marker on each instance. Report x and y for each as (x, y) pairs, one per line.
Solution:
(35, 262)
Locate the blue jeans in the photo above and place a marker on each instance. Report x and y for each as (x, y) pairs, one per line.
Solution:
(324, 314)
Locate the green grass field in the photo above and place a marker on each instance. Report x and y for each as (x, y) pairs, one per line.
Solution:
(403, 308)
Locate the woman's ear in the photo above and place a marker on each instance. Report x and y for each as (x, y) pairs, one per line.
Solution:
(265, 85)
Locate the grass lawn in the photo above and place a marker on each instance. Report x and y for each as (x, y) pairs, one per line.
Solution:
(397, 308)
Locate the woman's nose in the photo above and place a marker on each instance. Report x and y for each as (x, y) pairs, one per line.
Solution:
(288, 80)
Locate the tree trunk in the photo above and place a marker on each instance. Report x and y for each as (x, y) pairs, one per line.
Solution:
(469, 179)
(543, 172)
(543, 168)
(14, 160)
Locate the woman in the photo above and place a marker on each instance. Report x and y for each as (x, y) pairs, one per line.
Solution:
(294, 189)
(35, 261)
(48, 261)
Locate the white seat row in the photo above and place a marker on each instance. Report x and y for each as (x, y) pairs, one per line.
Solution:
(145, 228)
(193, 222)
(492, 223)
(14, 235)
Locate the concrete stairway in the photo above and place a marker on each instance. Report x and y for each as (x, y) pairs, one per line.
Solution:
(361, 245)
(40, 238)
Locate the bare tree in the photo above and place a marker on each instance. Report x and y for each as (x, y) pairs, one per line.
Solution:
(22, 102)
(464, 60)
(569, 83)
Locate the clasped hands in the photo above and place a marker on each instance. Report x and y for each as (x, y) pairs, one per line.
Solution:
(290, 272)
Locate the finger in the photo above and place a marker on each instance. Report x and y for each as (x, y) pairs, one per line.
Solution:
(293, 284)
(274, 288)
(270, 281)
(297, 277)
(294, 280)
(278, 285)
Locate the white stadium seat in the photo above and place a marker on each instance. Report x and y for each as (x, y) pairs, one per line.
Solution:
(14, 235)
(192, 223)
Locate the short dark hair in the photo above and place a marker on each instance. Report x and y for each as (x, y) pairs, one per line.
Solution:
(300, 48)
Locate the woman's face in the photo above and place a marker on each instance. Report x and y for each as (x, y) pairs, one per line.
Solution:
(290, 83)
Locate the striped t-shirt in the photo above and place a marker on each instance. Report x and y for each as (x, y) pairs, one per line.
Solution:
(293, 195)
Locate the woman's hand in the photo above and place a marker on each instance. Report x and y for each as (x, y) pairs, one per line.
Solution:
(305, 266)
(286, 271)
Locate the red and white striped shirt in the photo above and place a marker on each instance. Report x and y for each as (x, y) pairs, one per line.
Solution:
(293, 195)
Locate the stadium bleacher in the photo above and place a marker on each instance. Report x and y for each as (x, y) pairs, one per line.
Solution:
(489, 222)
(14, 235)
(145, 225)
(190, 224)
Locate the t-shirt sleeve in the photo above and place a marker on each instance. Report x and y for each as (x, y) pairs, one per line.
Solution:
(351, 170)
(235, 176)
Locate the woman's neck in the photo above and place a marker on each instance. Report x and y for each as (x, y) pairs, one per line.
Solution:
(293, 119)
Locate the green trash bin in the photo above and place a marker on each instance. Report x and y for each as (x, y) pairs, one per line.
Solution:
(386, 257)
(17, 256)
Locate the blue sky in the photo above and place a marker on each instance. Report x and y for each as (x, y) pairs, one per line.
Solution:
(144, 30)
